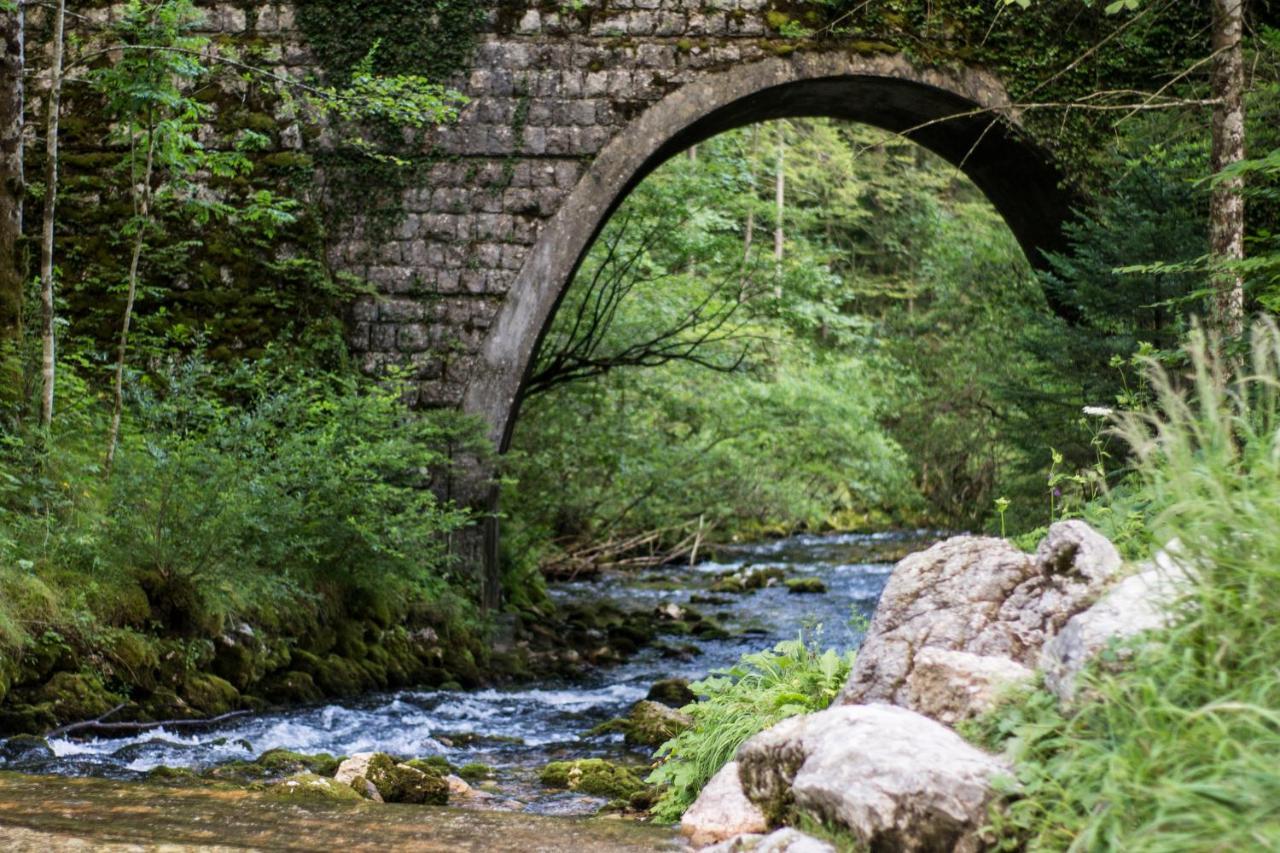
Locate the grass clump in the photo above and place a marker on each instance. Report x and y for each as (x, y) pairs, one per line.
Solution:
(764, 688)
(1180, 750)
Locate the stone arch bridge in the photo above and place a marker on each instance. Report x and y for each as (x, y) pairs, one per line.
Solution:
(565, 118)
(570, 107)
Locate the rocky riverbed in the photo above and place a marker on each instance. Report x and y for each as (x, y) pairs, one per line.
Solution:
(494, 745)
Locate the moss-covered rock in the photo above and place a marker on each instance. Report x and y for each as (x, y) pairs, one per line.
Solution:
(672, 692)
(592, 776)
(290, 688)
(163, 775)
(806, 586)
(23, 748)
(284, 762)
(394, 782)
(765, 577)
(310, 788)
(653, 724)
(27, 717)
(74, 696)
(437, 764)
(475, 771)
(209, 694)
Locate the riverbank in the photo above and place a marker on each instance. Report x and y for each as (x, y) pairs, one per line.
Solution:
(704, 618)
(56, 813)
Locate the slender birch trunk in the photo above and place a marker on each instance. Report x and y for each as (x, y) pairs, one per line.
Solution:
(49, 355)
(749, 230)
(1226, 203)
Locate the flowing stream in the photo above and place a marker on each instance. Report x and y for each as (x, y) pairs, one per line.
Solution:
(517, 731)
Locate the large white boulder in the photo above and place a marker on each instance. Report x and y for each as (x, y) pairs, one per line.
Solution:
(1139, 603)
(981, 596)
(722, 811)
(895, 779)
(951, 686)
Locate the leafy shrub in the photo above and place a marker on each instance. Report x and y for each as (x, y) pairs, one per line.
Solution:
(764, 688)
(1180, 750)
(273, 493)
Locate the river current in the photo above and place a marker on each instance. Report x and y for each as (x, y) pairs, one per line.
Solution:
(517, 731)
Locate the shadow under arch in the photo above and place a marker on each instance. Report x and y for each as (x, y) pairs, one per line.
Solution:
(961, 114)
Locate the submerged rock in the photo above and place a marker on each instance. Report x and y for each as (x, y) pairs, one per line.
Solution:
(809, 586)
(722, 811)
(893, 778)
(592, 776)
(981, 596)
(20, 749)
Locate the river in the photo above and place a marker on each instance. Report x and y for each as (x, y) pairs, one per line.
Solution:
(513, 731)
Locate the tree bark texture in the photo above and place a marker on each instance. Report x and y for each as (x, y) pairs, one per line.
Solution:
(12, 189)
(49, 355)
(1226, 203)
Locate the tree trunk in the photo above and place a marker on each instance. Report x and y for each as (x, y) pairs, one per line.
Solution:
(749, 231)
(49, 358)
(144, 213)
(780, 200)
(1226, 203)
(12, 189)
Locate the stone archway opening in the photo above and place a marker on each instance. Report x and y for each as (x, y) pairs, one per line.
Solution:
(960, 115)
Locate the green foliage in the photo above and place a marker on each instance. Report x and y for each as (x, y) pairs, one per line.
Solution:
(764, 688)
(273, 494)
(1176, 745)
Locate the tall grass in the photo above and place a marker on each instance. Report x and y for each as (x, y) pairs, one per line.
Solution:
(764, 688)
(1180, 750)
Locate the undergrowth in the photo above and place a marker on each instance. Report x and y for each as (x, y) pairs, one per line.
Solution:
(762, 689)
(1180, 749)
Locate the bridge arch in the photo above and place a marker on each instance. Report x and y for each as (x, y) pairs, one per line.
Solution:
(961, 114)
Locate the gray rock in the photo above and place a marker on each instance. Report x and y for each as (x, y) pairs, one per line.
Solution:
(894, 778)
(785, 840)
(1139, 603)
(722, 811)
(951, 686)
(981, 596)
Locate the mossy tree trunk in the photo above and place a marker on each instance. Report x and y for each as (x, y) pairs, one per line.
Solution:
(12, 189)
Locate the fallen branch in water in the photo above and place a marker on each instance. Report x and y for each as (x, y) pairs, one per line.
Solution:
(97, 725)
(630, 553)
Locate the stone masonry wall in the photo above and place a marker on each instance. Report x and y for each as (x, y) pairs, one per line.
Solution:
(549, 88)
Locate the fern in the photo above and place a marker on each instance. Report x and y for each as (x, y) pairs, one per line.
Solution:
(763, 688)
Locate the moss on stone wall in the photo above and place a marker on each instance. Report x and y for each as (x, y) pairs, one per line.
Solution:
(433, 38)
